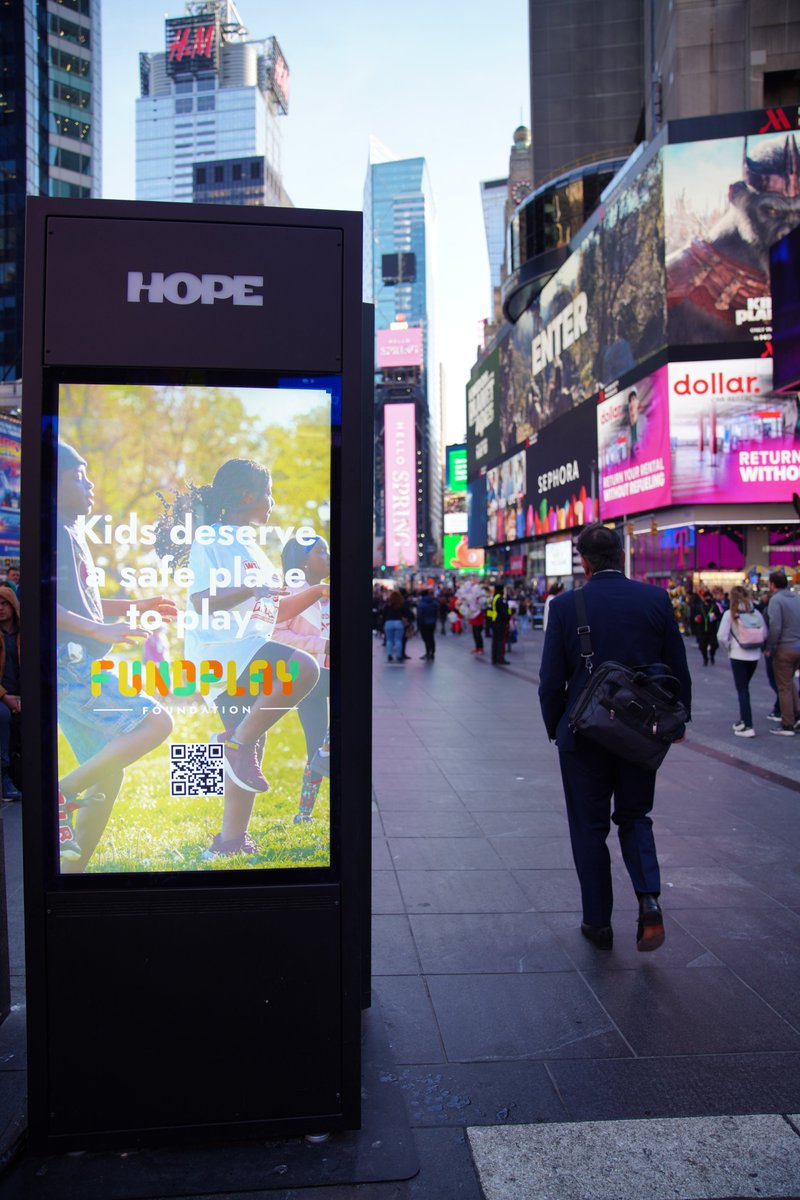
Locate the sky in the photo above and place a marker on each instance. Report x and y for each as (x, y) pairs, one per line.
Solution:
(446, 80)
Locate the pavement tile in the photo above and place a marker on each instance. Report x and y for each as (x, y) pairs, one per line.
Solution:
(442, 853)
(386, 896)
(683, 1086)
(486, 942)
(522, 852)
(686, 1011)
(546, 1015)
(515, 798)
(446, 1167)
(489, 1093)
(711, 887)
(523, 824)
(429, 823)
(700, 1157)
(381, 859)
(410, 1020)
(779, 881)
(438, 798)
(679, 950)
(393, 949)
(461, 891)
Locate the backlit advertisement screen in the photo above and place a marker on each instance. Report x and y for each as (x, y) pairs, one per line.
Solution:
(193, 627)
(399, 348)
(506, 488)
(400, 458)
(456, 469)
(459, 557)
(483, 413)
(726, 202)
(785, 279)
(731, 440)
(558, 558)
(10, 445)
(633, 447)
(562, 476)
(603, 311)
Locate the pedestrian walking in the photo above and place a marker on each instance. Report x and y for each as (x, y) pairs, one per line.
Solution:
(427, 614)
(632, 623)
(706, 616)
(783, 644)
(393, 625)
(743, 632)
(500, 617)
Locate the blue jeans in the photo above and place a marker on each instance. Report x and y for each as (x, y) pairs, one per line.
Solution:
(394, 638)
(742, 674)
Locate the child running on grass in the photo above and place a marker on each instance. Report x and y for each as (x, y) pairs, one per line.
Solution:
(106, 732)
(239, 497)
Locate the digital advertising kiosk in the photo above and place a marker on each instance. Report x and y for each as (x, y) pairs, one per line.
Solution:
(196, 532)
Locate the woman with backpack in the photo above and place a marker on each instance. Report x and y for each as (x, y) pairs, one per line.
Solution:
(742, 632)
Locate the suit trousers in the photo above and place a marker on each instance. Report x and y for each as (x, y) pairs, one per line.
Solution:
(593, 780)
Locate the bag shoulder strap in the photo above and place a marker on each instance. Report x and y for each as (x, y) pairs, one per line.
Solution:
(584, 630)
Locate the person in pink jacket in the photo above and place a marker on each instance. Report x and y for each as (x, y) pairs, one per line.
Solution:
(310, 631)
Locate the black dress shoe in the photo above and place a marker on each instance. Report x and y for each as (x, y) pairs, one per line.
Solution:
(601, 936)
(650, 928)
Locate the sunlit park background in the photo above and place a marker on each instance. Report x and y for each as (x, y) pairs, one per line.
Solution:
(142, 441)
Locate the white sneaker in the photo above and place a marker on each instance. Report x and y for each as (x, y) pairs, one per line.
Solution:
(781, 732)
(747, 731)
(737, 725)
(774, 717)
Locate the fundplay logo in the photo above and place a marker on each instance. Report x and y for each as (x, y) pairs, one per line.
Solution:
(181, 287)
(182, 677)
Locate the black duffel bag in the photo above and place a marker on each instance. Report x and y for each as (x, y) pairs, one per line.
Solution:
(634, 712)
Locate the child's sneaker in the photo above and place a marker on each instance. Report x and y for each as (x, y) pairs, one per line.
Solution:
(242, 764)
(69, 849)
(240, 845)
(301, 817)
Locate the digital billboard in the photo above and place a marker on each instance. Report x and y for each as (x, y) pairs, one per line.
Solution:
(506, 488)
(459, 557)
(603, 312)
(562, 473)
(558, 558)
(192, 44)
(732, 441)
(456, 469)
(785, 281)
(400, 474)
(726, 201)
(10, 445)
(483, 413)
(634, 448)
(192, 627)
(399, 348)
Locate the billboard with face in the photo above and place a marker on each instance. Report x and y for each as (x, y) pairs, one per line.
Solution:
(192, 619)
(633, 447)
(726, 201)
(731, 440)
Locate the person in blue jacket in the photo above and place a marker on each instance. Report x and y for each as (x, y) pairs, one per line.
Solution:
(631, 623)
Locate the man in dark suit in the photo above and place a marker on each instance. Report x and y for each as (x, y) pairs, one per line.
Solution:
(631, 623)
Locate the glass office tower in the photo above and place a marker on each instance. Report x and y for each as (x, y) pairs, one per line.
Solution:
(210, 105)
(399, 274)
(49, 131)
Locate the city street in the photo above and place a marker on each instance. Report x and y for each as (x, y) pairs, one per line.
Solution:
(521, 1062)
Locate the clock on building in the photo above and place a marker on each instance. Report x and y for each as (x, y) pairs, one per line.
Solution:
(520, 190)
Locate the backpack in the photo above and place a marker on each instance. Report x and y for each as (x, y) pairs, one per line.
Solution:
(752, 631)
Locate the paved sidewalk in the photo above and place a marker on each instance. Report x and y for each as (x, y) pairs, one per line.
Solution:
(533, 1066)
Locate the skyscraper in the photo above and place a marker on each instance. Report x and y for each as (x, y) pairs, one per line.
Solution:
(399, 273)
(208, 116)
(49, 131)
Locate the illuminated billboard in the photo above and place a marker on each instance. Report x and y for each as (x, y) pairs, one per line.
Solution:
(483, 413)
(192, 44)
(278, 74)
(10, 446)
(400, 488)
(191, 621)
(456, 469)
(633, 447)
(726, 201)
(785, 281)
(732, 441)
(399, 348)
(459, 557)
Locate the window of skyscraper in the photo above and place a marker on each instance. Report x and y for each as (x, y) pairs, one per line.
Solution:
(70, 62)
(70, 31)
(206, 84)
(237, 171)
(184, 105)
(255, 170)
(206, 103)
(183, 86)
(79, 6)
(200, 174)
(219, 174)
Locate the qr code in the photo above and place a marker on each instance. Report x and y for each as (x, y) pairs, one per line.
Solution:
(196, 769)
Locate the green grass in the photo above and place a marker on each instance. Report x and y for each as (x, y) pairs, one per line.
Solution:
(151, 831)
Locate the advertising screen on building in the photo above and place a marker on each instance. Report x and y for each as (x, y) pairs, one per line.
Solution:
(562, 474)
(558, 558)
(192, 44)
(633, 447)
(456, 479)
(483, 413)
(10, 445)
(726, 201)
(603, 311)
(459, 557)
(785, 280)
(400, 459)
(399, 348)
(193, 618)
(732, 441)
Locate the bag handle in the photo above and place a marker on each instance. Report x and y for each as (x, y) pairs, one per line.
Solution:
(584, 630)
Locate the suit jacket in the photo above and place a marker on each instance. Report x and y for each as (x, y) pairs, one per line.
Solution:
(630, 622)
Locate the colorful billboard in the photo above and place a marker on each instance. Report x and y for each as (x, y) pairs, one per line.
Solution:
(400, 488)
(483, 413)
(10, 444)
(399, 348)
(190, 625)
(506, 489)
(633, 447)
(726, 201)
(562, 473)
(732, 441)
(459, 557)
(785, 281)
(192, 44)
(456, 471)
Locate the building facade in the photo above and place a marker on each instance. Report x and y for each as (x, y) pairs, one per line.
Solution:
(399, 276)
(208, 115)
(50, 131)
